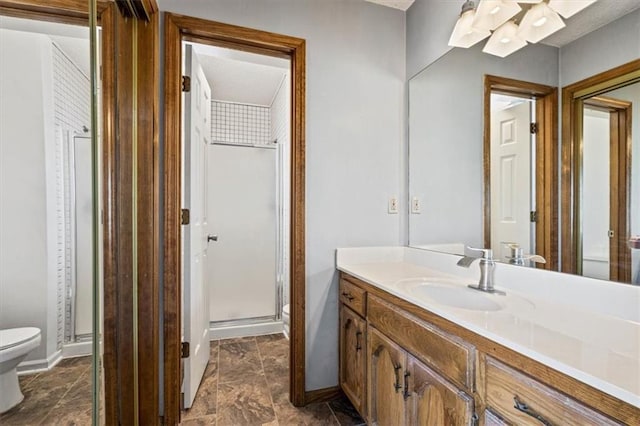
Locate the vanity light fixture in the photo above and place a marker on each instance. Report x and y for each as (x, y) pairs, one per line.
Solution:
(464, 35)
(537, 20)
(493, 13)
(504, 41)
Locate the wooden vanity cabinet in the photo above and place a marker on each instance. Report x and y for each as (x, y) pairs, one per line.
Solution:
(404, 391)
(417, 370)
(353, 344)
(386, 392)
(353, 348)
(519, 399)
(432, 400)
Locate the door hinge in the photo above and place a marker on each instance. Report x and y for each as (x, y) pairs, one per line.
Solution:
(533, 128)
(186, 83)
(185, 217)
(533, 216)
(184, 350)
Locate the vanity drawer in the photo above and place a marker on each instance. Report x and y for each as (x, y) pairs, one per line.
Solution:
(506, 388)
(353, 296)
(448, 355)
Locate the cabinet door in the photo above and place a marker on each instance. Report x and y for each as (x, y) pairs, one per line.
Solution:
(386, 368)
(432, 400)
(352, 356)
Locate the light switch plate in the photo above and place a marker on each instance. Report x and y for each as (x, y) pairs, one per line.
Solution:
(393, 205)
(415, 205)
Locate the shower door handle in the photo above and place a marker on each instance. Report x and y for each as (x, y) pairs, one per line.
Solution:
(212, 238)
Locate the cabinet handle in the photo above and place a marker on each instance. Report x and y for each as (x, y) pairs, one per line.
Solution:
(348, 296)
(406, 385)
(521, 406)
(396, 369)
(358, 345)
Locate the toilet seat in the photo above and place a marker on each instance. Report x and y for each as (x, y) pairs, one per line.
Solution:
(16, 336)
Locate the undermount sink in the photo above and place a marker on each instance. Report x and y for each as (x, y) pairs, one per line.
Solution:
(437, 290)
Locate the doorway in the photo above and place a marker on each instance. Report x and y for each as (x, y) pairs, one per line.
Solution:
(179, 29)
(597, 122)
(606, 172)
(235, 188)
(520, 168)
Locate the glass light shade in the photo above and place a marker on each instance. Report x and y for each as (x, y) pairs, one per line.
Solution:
(490, 14)
(464, 35)
(539, 22)
(504, 41)
(568, 8)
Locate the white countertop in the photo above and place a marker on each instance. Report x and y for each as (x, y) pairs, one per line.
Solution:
(577, 336)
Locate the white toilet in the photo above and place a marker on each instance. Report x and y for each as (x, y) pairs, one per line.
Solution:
(285, 320)
(15, 345)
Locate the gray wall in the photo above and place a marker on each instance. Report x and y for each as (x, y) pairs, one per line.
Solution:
(355, 137)
(614, 44)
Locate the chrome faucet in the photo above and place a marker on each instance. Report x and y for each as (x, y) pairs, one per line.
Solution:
(487, 268)
(519, 258)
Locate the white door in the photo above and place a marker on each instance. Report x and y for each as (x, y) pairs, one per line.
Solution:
(242, 264)
(511, 179)
(197, 132)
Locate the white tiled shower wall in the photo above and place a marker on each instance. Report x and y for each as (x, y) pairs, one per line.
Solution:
(71, 110)
(241, 124)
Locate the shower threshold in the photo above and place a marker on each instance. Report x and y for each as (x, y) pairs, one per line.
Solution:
(244, 327)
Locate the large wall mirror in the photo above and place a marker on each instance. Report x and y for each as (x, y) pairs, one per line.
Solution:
(456, 110)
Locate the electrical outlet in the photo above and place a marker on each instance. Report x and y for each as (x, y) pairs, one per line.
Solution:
(393, 205)
(415, 205)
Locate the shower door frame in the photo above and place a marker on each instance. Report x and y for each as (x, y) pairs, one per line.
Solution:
(179, 28)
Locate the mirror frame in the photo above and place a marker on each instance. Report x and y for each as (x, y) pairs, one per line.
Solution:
(546, 173)
(573, 97)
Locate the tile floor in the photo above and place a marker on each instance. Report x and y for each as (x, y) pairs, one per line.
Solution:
(61, 396)
(247, 383)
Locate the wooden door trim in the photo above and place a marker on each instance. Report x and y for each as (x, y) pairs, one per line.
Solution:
(573, 97)
(179, 28)
(118, 187)
(546, 164)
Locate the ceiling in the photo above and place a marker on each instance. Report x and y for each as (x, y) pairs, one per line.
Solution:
(593, 17)
(72, 39)
(590, 19)
(241, 77)
(397, 4)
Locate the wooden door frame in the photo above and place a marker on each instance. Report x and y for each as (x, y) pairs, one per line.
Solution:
(546, 161)
(178, 28)
(573, 97)
(130, 393)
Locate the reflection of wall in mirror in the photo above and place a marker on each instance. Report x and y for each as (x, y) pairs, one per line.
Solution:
(446, 137)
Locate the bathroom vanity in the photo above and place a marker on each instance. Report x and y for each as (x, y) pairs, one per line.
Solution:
(418, 347)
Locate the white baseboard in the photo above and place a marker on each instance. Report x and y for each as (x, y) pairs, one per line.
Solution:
(72, 350)
(39, 365)
(232, 331)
